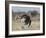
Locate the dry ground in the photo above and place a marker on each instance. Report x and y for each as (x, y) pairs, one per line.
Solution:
(17, 26)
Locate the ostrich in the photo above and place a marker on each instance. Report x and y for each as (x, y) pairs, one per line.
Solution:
(26, 19)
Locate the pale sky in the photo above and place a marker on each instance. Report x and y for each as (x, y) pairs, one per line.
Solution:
(25, 9)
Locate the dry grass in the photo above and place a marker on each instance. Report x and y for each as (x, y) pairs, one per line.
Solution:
(17, 25)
